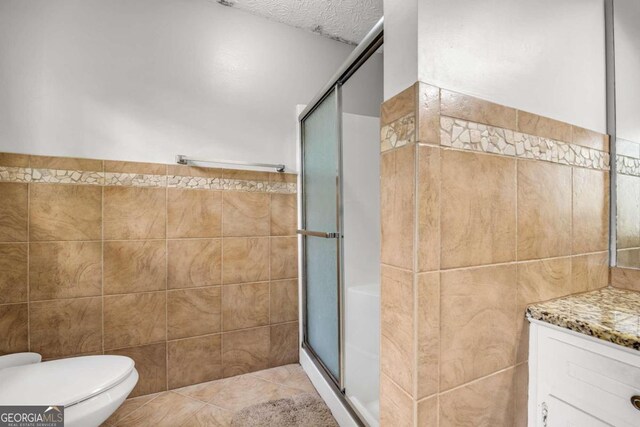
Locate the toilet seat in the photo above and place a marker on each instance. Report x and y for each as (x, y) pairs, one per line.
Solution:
(63, 382)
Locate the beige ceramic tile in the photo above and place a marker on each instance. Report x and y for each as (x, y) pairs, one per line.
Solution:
(428, 114)
(428, 412)
(488, 402)
(65, 163)
(521, 395)
(284, 301)
(167, 410)
(628, 206)
(625, 278)
(466, 107)
(478, 218)
(428, 324)
(246, 175)
(475, 306)
(590, 272)
(66, 327)
(245, 214)
(194, 213)
(589, 138)
(590, 211)
(398, 207)
(396, 339)
(245, 260)
(65, 212)
(292, 376)
(134, 319)
(283, 214)
(135, 167)
(129, 405)
(134, 213)
(134, 266)
(629, 257)
(396, 406)
(14, 322)
(13, 273)
(284, 258)
(284, 344)
(533, 124)
(193, 312)
(13, 212)
(14, 160)
(290, 178)
(544, 210)
(245, 351)
(398, 106)
(65, 270)
(194, 263)
(181, 170)
(429, 177)
(151, 364)
(245, 306)
(194, 360)
(210, 416)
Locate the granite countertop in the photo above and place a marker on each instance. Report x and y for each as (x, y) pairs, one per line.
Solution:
(609, 314)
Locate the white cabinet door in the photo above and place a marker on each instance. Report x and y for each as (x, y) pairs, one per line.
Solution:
(561, 414)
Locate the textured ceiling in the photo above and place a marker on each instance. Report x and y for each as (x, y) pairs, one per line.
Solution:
(343, 20)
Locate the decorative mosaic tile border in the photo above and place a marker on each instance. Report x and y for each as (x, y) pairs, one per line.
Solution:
(472, 136)
(57, 176)
(398, 133)
(627, 165)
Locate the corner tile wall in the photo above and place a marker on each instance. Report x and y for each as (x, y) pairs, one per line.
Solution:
(190, 271)
(628, 203)
(485, 209)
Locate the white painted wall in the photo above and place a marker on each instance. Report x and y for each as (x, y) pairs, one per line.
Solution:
(144, 80)
(542, 56)
(627, 40)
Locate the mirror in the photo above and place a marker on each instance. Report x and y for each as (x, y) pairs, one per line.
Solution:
(626, 36)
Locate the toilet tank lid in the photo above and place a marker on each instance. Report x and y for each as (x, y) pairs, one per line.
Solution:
(62, 382)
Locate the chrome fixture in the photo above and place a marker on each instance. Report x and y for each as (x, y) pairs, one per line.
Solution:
(184, 160)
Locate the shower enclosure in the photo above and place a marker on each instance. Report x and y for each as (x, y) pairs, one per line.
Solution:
(340, 228)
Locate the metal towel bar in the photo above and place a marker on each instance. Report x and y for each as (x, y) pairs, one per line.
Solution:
(184, 160)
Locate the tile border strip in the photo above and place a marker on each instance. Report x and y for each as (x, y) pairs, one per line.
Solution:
(59, 176)
(398, 133)
(626, 165)
(472, 136)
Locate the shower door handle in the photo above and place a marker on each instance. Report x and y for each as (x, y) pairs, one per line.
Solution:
(319, 234)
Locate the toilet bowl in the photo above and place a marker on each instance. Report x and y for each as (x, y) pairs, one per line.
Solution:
(91, 388)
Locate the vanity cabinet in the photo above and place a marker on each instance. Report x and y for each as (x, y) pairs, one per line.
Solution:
(581, 381)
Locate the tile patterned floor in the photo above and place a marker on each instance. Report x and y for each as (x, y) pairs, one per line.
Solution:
(211, 404)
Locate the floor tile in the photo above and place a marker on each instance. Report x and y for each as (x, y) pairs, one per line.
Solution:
(169, 409)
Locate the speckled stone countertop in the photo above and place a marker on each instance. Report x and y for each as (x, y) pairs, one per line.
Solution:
(609, 314)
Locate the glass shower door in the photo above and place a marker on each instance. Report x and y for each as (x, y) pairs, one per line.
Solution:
(321, 232)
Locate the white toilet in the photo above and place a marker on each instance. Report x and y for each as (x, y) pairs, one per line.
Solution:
(91, 388)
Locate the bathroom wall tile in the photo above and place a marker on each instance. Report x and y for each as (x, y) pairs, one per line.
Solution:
(544, 210)
(193, 312)
(65, 163)
(66, 327)
(590, 211)
(65, 270)
(194, 263)
(194, 360)
(246, 175)
(168, 409)
(245, 306)
(478, 218)
(134, 213)
(590, 272)
(398, 106)
(488, 402)
(521, 390)
(134, 319)
(625, 278)
(134, 266)
(284, 301)
(628, 204)
(14, 160)
(202, 172)
(284, 258)
(629, 257)
(14, 332)
(396, 327)
(245, 351)
(475, 306)
(135, 167)
(13, 212)
(151, 364)
(245, 214)
(396, 406)
(534, 124)
(13, 272)
(538, 281)
(428, 113)
(428, 338)
(428, 193)
(284, 214)
(284, 344)
(466, 107)
(281, 177)
(589, 138)
(245, 260)
(65, 212)
(428, 412)
(194, 213)
(397, 214)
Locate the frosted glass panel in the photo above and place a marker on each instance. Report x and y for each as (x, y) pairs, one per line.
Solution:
(320, 171)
